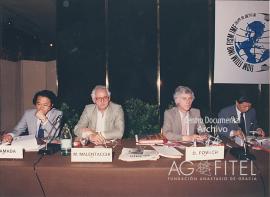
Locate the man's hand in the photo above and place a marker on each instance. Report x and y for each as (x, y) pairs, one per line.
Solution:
(260, 132)
(187, 138)
(41, 116)
(190, 138)
(201, 137)
(87, 130)
(97, 138)
(238, 133)
(7, 138)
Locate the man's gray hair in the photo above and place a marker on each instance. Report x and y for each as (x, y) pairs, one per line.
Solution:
(93, 94)
(183, 90)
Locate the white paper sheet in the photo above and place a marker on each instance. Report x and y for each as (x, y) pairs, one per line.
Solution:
(27, 142)
(169, 152)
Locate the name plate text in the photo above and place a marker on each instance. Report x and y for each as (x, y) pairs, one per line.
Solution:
(204, 153)
(11, 152)
(91, 155)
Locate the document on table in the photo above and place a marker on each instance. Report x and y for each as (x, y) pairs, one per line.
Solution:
(27, 142)
(136, 154)
(169, 152)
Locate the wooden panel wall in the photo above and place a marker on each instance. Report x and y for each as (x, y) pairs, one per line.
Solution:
(19, 81)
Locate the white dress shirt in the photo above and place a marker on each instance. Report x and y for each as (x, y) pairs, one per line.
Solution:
(238, 119)
(100, 127)
(185, 121)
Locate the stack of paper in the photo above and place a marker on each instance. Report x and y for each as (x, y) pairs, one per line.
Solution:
(169, 152)
(136, 154)
(27, 142)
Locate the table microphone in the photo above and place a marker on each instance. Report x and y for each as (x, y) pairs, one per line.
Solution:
(242, 153)
(51, 148)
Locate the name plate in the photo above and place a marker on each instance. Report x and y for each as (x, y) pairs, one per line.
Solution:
(91, 155)
(204, 153)
(11, 152)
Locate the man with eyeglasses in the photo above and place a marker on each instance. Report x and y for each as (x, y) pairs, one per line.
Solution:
(101, 121)
(240, 119)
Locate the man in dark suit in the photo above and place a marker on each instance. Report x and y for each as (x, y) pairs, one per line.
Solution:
(183, 122)
(240, 119)
(43, 121)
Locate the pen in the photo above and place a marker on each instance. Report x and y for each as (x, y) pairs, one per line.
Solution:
(6, 144)
(228, 145)
(158, 144)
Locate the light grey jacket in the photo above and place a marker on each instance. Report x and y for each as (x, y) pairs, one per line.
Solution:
(114, 122)
(29, 122)
(172, 123)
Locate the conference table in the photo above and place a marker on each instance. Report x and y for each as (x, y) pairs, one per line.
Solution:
(56, 175)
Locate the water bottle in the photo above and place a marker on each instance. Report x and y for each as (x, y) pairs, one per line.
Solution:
(66, 141)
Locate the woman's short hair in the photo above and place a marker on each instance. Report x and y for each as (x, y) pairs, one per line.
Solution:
(45, 93)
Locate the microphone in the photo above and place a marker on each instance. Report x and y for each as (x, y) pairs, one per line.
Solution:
(51, 148)
(58, 119)
(242, 153)
(214, 140)
(253, 131)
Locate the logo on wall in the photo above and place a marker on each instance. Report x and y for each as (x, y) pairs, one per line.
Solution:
(248, 42)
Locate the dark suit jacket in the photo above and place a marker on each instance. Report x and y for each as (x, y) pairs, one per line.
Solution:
(172, 123)
(29, 122)
(228, 113)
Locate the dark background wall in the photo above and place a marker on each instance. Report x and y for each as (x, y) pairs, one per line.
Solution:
(132, 49)
(129, 37)
(80, 50)
(16, 44)
(185, 49)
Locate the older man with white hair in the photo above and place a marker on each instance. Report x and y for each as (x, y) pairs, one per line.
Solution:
(103, 120)
(183, 122)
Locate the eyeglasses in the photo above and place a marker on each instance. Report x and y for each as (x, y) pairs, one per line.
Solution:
(102, 99)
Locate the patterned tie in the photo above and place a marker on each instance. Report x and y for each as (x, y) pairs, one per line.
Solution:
(242, 123)
(40, 132)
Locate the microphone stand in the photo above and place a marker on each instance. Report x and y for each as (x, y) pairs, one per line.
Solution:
(49, 147)
(247, 155)
(242, 152)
